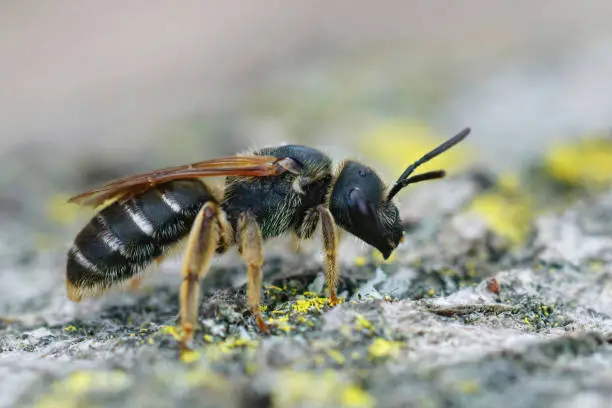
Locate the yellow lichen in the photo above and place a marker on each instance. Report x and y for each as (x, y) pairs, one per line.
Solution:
(220, 350)
(54, 401)
(318, 389)
(355, 397)
(306, 305)
(190, 356)
(363, 324)
(586, 163)
(78, 382)
(381, 348)
(360, 261)
(337, 356)
(229, 344)
(205, 378)
(69, 391)
(282, 319)
(468, 387)
(396, 143)
(171, 331)
(282, 323)
(507, 212)
(346, 331)
(60, 211)
(509, 182)
(71, 329)
(251, 368)
(595, 265)
(379, 259)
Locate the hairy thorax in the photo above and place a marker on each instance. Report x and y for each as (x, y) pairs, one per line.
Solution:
(284, 203)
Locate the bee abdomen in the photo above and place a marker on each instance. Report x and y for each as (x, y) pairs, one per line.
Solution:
(125, 237)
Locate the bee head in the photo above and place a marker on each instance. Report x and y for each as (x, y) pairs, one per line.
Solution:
(358, 205)
(362, 206)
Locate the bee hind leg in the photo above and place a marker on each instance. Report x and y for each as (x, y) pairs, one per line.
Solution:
(200, 250)
(330, 243)
(135, 283)
(251, 251)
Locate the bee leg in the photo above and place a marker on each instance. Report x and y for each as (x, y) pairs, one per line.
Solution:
(330, 243)
(200, 250)
(251, 251)
(295, 244)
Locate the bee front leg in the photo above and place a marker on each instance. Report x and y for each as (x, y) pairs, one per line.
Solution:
(330, 243)
(250, 247)
(200, 250)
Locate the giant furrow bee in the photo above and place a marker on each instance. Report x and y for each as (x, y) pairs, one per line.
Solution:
(289, 189)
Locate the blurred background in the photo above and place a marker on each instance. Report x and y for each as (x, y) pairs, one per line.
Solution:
(120, 80)
(95, 90)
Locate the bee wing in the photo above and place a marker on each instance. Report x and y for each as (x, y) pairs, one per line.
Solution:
(256, 166)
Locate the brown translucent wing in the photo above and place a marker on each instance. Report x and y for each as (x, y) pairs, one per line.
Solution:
(257, 166)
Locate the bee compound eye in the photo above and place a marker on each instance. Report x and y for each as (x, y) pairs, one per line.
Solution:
(358, 199)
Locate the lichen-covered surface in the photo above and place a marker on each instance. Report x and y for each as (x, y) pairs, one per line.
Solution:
(499, 296)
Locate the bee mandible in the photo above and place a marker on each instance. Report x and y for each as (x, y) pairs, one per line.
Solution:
(269, 192)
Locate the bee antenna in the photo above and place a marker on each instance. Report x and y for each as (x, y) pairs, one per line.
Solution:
(404, 179)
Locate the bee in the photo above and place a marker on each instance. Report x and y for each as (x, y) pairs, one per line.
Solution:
(289, 189)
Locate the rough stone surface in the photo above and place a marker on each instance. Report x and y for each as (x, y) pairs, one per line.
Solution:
(458, 318)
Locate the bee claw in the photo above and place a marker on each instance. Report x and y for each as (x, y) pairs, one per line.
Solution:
(186, 345)
(333, 300)
(264, 328)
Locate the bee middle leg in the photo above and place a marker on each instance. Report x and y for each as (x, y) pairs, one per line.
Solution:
(250, 247)
(330, 242)
(201, 246)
